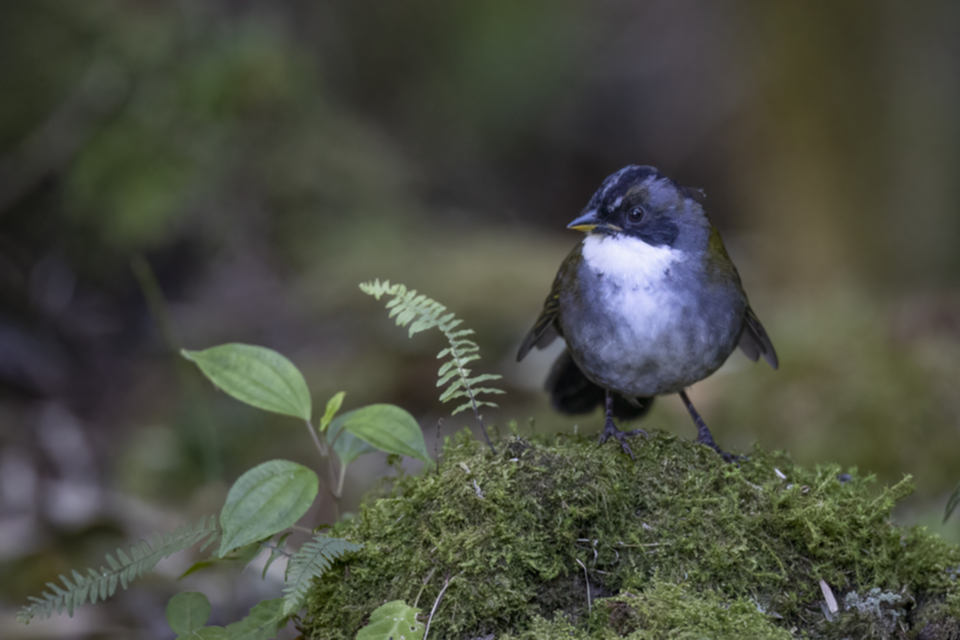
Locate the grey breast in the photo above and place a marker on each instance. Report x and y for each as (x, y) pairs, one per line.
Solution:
(644, 341)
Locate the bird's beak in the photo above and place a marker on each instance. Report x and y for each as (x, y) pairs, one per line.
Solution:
(586, 223)
(589, 221)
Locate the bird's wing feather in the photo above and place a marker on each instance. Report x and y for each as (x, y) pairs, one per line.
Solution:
(755, 342)
(545, 330)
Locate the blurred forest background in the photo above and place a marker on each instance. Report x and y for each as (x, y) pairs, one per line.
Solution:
(197, 172)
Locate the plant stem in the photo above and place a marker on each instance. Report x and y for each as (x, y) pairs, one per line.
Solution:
(334, 488)
(321, 447)
(466, 387)
(343, 475)
(436, 603)
(198, 413)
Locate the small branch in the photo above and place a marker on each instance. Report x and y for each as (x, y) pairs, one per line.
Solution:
(153, 294)
(436, 603)
(476, 412)
(436, 446)
(586, 578)
(426, 581)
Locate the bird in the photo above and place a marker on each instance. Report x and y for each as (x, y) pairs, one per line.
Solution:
(648, 303)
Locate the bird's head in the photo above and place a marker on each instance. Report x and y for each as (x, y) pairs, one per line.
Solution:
(640, 202)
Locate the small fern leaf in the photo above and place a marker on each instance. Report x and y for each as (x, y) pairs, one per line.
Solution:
(446, 366)
(466, 405)
(421, 313)
(310, 562)
(468, 359)
(421, 325)
(447, 377)
(463, 407)
(103, 583)
(490, 390)
(452, 391)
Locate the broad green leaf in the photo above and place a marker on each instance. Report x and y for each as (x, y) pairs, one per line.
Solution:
(266, 499)
(333, 405)
(187, 612)
(262, 623)
(258, 376)
(207, 633)
(952, 503)
(348, 446)
(388, 428)
(393, 620)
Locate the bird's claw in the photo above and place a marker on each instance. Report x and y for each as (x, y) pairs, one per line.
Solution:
(610, 430)
(727, 457)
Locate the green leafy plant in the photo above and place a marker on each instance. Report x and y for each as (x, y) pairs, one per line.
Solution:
(267, 380)
(265, 503)
(420, 313)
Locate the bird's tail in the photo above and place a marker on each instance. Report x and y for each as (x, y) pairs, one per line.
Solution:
(571, 392)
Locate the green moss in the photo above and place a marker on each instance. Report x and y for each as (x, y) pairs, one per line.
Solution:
(677, 544)
(676, 611)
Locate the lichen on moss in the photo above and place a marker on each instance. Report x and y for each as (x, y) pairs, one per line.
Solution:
(559, 536)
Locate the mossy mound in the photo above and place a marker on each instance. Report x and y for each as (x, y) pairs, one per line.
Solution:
(566, 539)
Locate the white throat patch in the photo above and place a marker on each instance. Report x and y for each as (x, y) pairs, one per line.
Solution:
(628, 259)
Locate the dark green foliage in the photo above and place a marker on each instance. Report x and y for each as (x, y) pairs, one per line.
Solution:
(100, 585)
(677, 532)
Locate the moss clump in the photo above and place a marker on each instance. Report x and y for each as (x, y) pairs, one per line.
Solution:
(677, 544)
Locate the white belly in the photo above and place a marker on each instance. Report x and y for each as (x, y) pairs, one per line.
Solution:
(640, 324)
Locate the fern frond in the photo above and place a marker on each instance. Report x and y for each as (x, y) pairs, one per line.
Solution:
(102, 584)
(422, 313)
(308, 563)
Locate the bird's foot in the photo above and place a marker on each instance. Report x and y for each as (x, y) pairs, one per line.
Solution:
(703, 432)
(610, 431)
(706, 438)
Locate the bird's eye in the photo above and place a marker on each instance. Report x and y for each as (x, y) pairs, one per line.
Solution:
(635, 214)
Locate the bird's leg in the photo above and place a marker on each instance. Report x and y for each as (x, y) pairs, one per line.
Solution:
(703, 432)
(610, 429)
